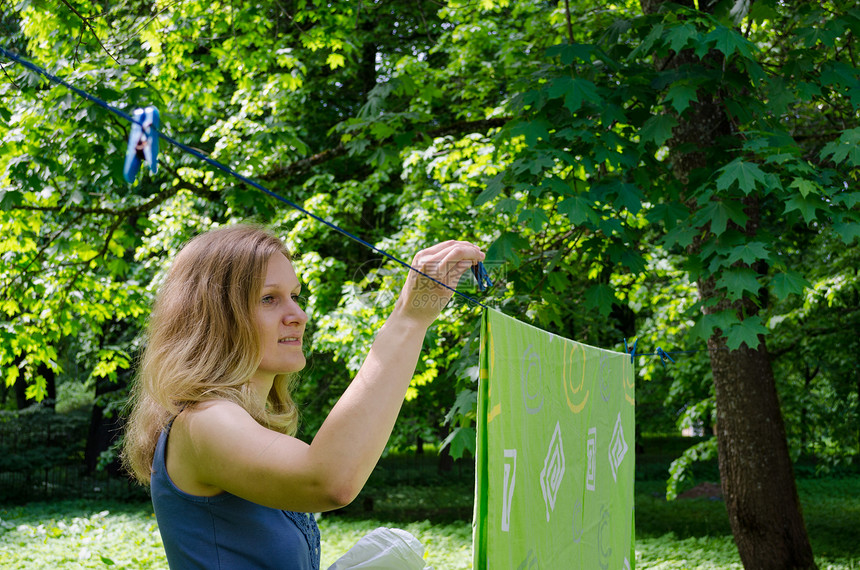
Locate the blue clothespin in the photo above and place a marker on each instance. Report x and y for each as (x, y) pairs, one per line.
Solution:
(481, 276)
(632, 352)
(663, 356)
(142, 143)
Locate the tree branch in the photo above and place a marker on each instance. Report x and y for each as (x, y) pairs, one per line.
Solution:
(123, 212)
(119, 215)
(197, 190)
(301, 166)
(86, 22)
(12, 81)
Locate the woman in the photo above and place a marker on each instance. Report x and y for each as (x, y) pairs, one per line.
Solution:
(212, 423)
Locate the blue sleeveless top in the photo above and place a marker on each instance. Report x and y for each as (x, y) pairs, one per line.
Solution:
(227, 532)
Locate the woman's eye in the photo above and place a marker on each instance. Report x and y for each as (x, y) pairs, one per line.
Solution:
(300, 300)
(268, 300)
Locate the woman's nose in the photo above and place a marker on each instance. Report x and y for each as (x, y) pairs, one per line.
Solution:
(295, 314)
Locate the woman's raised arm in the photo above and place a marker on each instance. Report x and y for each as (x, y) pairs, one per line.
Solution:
(230, 451)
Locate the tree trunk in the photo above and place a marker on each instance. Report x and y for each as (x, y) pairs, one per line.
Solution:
(756, 472)
(105, 429)
(21, 400)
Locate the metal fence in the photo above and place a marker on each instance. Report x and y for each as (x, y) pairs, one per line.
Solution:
(42, 458)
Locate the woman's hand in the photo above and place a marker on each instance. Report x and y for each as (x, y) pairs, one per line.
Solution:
(423, 299)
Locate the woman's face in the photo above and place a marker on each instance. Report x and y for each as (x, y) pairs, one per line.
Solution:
(280, 321)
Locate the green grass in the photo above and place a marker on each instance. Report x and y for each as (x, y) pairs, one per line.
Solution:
(90, 534)
(436, 506)
(695, 533)
(690, 534)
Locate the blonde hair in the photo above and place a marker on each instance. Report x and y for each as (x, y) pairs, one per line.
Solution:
(202, 340)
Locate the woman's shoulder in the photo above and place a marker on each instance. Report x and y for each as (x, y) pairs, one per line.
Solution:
(214, 414)
(216, 405)
(203, 435)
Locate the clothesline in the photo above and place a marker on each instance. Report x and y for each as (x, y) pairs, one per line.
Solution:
(480, 274)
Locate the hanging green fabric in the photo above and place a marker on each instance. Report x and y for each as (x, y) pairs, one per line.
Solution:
(555, 456)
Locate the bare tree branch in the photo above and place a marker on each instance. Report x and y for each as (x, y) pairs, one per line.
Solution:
(9, 77)
(86, 22)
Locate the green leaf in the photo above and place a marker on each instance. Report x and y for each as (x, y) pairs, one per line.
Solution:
(533, 131)
(579, 210)
(464, 405)
(612, 114)
(633, 261)
(809, 36)
(849, 199)
(745, 174)
(719, 212)
(806, 206)
(848, 231)
(381, 130)
(505, 248)
(730, 41)
(600, 297)
(703, 329)
(507, 206)
(541, 161)
(611, 226)
(805, 187)
(556, 185)
(629, 197)
(838, 74)
(737, 281)
(493, 189)
(846, 149)
(535, 219)
(380, 157)
(746, 331)
(680, 235)
(658, 129)
(790, 282)
(559, 86)
(11, 376)
(9, 198)
(118, 266)
(749, 253)
(643, 48)
(460, 440)
(669, 213)
(580, 92)
(335, 60)
(706, 324)
(582, 52)
(808, 91)
(679, 36)
(570, 52)
(680, 96)
(779, 95)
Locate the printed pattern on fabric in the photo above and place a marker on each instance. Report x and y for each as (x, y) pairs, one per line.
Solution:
(555, 467)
